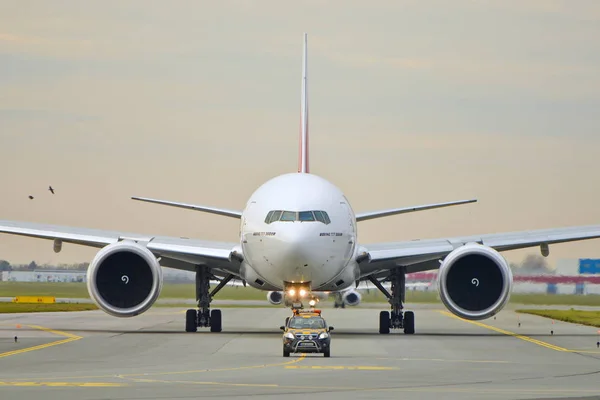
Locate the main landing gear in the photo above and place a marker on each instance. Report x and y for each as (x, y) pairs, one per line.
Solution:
(395, 319)
(204, 317)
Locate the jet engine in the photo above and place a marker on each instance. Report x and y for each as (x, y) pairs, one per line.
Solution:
(351, 297)
(275, 297)
(474, 282)
(124, 279)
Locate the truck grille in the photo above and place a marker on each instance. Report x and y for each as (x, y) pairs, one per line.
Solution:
(311, 336)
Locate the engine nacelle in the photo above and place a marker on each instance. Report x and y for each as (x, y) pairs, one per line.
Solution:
(275, 298)
(351, 297)
(474, 282)
(124, 279)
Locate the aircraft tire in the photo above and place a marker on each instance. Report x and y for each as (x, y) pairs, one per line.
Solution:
(215, 321)
(409, 322)
(191, 324)
(384, 322)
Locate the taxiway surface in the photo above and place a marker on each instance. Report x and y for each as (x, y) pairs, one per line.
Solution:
(91, 355)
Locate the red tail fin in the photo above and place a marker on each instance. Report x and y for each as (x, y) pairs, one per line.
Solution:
(303, 145)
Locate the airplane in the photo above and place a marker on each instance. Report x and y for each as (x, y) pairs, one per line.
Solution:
(298, 235)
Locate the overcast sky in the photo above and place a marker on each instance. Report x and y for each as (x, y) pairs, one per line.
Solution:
(411, 102)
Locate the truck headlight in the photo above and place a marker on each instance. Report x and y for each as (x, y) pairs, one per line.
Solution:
(324, 335)
(289, 335)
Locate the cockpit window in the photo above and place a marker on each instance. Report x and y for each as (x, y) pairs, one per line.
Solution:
(268, 217)
(322, 217)
(289, 216)
(319, 216)
(306, 216)
(273, 216)
(303, 216)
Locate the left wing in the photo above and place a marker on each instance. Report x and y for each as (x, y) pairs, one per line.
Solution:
(394, 211)
(423, 255)
(175, 252)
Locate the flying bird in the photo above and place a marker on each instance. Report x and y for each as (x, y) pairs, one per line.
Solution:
(50, 189)
(30, 197)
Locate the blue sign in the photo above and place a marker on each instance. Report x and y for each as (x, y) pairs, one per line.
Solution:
(589, 266)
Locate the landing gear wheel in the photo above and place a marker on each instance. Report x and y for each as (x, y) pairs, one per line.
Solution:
(409, 322)
(215, 321)
(327, 353)
(384, 322)
(286, 353)
(191, 321)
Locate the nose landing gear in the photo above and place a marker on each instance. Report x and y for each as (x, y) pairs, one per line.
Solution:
(338, 301)
(295, 295)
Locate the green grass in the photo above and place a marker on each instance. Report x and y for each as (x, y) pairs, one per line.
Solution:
(186, 291)
(79, 291)
(556, 299)
(591, 318)
(192, 306)
(6, 308)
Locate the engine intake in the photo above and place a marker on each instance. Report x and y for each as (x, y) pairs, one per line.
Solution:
(124, 279)
(275, 297)
(352, 298)
(474, 282)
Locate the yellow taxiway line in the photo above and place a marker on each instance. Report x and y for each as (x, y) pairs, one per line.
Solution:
(342, 367)
(69, 338)
(62, 384)
(516, 335)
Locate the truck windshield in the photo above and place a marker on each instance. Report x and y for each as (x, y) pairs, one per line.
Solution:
(307, 323)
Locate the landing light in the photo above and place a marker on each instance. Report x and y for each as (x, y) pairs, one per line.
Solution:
(292, 292)
(312, 303)
(302, 292)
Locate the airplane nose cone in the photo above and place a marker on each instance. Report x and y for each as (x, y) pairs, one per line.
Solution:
(296, 253)
(298, 247)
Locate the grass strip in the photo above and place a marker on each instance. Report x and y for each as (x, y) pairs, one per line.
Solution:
(583, 317)
(7, 308)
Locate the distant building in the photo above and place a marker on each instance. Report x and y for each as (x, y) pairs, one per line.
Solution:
(55, 275)
(43, 276)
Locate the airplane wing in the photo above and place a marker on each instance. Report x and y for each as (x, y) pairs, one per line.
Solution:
(175, 252)
(423, 255)
(195, 207)
(394, 211)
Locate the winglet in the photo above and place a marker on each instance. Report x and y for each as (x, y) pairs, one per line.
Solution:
(303, 145)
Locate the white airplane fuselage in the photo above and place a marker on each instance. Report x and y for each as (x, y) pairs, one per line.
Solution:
(318, 254)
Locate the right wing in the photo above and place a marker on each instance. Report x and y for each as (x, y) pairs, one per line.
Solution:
(175, 252)
(211, 210)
